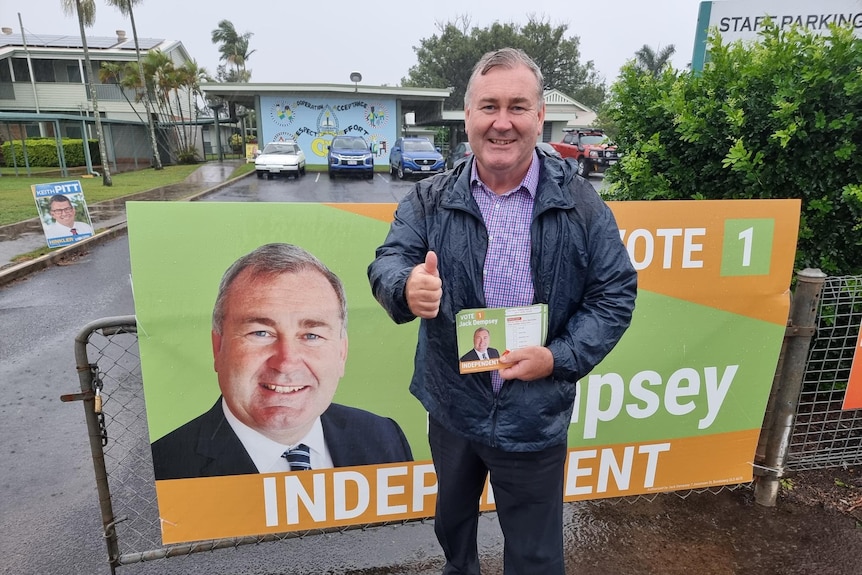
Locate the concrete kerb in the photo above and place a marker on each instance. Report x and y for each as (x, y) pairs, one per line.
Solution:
(17, 271)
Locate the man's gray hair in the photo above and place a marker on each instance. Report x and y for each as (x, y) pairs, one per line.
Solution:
(273, 260)
(506, 58)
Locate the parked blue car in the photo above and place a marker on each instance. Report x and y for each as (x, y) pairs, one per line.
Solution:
(350, 155)
(415, 156)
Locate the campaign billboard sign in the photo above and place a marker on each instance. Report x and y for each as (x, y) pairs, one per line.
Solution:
(678, 404)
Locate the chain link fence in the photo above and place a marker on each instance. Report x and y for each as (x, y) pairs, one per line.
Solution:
(113, 397)
(823, 434)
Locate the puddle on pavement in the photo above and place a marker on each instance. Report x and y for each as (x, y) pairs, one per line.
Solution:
(704, 534)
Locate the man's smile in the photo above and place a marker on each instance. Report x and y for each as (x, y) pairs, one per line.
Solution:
(283, 388)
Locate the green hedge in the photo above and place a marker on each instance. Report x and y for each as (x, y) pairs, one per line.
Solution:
(42, 152)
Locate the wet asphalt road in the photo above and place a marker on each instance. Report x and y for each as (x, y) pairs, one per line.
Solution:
(318, 187)
(49, 518)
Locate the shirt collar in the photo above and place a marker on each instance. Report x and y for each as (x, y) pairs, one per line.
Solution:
(530, 183)
(266, 453)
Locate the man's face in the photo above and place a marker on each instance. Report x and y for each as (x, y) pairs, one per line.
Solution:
(281, 352)
(481, 339)
(503, 120)
(64, 213)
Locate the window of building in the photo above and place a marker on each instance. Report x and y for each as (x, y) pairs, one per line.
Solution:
(5, 71)
(73, 73)
(19, 68)
(43, 70)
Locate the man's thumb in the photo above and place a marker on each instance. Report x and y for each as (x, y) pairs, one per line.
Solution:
(431, 264)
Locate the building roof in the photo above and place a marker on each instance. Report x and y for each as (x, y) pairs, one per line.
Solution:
(121, 46)
(424, 102)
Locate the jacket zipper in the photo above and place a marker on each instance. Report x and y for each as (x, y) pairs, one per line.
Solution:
(494, 407)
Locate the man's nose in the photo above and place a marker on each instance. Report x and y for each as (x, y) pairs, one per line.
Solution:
(284, 354)
(502, 120)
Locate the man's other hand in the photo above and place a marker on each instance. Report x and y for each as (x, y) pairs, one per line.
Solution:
(424, 289)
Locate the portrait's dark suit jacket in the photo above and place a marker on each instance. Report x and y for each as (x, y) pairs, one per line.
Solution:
(472, 355)
(208, 447)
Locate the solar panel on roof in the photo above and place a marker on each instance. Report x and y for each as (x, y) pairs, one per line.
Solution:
(72, 41)
(54, 41)
(101, 42)
(148, 43)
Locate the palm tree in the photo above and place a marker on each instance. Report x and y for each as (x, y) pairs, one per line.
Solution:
(126, 77)
(125, 7)
(652, 62)
(192, 75)
(234, 47)
(162, 77)
(86, 12)
(168, 82)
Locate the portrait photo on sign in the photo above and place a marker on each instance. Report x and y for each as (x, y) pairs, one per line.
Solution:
(62, 212)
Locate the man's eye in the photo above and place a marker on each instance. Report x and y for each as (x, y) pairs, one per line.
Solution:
(260, 333)
(312, 337)
(518, 109)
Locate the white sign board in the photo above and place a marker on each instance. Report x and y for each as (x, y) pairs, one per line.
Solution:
(741, 20)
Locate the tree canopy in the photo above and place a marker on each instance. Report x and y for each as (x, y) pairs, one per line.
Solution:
(778, 118)
(654, 62)
(234, 50)
(446, 59)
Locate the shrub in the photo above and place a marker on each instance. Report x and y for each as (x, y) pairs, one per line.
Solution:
(42, 152)
(188, 156)
(775, 119)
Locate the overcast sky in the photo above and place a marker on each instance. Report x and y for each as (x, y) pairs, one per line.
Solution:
(324, 41)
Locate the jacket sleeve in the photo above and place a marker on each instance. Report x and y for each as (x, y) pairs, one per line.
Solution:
(608, 302)
(405, 247)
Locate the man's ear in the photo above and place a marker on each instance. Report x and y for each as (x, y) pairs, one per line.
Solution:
(343, 355)
(216, 341)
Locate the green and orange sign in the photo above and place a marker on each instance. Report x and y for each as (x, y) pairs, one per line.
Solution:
(677, 405)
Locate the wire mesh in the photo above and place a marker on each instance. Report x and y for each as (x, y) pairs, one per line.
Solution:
(824, 435)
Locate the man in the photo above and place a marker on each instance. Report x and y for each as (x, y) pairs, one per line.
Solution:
(509, 228)
(279, 340)
(481, 340)
(63, 212)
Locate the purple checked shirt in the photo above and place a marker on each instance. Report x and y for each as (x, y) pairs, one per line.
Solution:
(507, 279)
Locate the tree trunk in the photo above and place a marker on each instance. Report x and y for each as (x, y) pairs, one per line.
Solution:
(106, 170)
(157, 159)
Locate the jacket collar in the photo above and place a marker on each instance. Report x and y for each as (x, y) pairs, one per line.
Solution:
(555, 177)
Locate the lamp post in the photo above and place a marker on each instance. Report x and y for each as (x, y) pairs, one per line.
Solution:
(355, 77)
(216, 105)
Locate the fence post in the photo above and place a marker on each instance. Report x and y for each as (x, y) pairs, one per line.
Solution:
(800, 330)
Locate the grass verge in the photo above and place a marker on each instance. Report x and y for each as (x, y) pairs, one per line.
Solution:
(18, 204)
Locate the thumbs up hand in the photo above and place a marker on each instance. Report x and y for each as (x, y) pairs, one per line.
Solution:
(424, 289)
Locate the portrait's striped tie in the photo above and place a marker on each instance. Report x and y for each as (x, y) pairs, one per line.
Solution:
(299, 457)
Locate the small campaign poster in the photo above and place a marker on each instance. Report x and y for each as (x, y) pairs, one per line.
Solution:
(63, 212)
(482, 332)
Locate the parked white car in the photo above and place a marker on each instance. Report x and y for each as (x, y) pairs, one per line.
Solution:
(280, 158)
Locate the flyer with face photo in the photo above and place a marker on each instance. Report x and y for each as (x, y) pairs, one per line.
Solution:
(486, 334)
